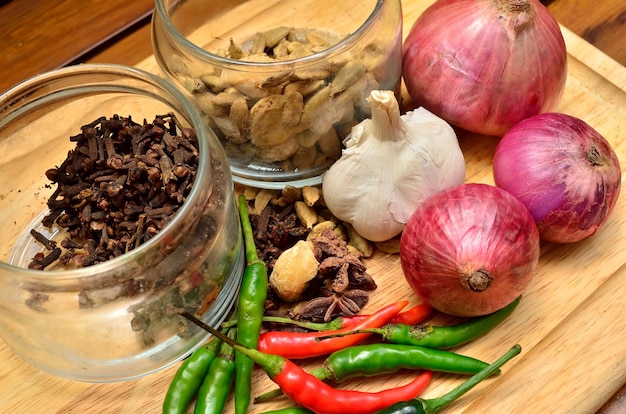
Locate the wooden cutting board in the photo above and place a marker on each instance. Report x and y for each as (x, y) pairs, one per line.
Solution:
(571, 322)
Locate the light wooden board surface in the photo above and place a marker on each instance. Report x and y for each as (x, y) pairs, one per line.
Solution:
(571, 322)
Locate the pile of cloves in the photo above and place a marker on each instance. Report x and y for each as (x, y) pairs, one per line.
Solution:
(117, 188)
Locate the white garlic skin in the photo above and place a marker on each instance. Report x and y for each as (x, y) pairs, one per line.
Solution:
(390, 165)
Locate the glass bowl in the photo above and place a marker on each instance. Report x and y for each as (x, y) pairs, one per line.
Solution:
(280, 82)
(117, 319)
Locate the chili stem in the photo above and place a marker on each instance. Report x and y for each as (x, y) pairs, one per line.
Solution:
(269, 395)
(437, 404)
(334, 324)
(272, 364)
(289, 410)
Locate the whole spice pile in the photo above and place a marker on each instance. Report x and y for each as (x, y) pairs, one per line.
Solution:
(117, 188)
(314, 260)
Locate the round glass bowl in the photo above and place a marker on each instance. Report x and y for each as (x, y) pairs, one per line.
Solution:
(280, 82)
(117, 319)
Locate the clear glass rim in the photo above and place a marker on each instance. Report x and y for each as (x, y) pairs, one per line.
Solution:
(161, 13)
(21, 89)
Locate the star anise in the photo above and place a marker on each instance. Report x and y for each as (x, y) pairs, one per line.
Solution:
(342, 267)
(347, 271)
(327, 244)
(331, 304)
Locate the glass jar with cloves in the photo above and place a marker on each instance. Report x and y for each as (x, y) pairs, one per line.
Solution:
(117, 214)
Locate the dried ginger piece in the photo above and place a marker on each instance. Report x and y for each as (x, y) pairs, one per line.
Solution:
(293, 270)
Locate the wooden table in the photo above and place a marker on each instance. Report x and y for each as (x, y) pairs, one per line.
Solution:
(575, 337)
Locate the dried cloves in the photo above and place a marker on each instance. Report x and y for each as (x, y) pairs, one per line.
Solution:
(117, 188)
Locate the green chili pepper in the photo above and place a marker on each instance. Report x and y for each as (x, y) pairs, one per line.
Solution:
(380, 359)
(434, 405)
(251, 307)
(189, 377)
(218, 381)
(438, 337)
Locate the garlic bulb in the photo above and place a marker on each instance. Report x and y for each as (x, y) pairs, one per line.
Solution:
(391, 164)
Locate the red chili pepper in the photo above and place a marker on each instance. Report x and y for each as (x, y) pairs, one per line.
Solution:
(411, 316)
(311, 393)
(296, 345)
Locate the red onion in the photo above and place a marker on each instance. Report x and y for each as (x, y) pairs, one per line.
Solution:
(484, 65)
(469, 250)
(564, 172)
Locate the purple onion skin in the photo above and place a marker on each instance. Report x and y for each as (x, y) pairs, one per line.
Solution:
(483, 68)
(463, 230)
(563, 171)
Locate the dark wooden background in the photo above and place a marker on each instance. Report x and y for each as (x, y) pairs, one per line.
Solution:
(38, 35)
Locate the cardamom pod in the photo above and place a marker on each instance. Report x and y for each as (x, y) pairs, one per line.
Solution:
(239, 115)
(279, 152)
(266, 122)
(294, 105)
(306, 214)
(347, 75)
(310, 195)
(275, 35)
